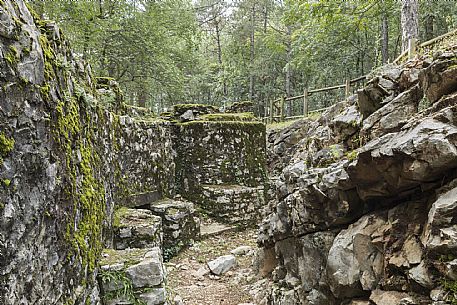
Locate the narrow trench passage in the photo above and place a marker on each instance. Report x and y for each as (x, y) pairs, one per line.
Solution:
(190, 278)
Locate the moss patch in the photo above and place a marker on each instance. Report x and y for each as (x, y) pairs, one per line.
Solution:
(245, 116)
(6, 146)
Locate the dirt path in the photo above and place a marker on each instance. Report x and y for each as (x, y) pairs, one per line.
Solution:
(187, 278)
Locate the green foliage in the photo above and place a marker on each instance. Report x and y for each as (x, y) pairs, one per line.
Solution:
(451, 287)
(119, 279)
(212, 51)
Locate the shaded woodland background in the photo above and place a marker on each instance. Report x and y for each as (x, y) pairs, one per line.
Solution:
(222, 51)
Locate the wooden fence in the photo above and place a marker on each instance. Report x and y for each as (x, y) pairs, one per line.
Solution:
(275, 111)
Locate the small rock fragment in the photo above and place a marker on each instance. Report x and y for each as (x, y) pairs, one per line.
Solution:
(222, 264)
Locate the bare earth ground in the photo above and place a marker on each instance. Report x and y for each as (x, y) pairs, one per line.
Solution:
(197, 289)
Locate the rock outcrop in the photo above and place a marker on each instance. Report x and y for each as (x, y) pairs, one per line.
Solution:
(364, 208)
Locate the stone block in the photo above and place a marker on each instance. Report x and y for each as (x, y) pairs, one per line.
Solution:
(181, 225)
(136, 228)
(132, 275)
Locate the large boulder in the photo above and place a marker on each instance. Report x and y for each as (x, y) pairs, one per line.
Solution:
(354, 262)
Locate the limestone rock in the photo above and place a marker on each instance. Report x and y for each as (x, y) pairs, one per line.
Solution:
(404, 155)
(392, 116)
(440, 234)
(354, 262)
(137, 271)
(187, 116)
(241, 250)
(154, 296)
(346, 123)
(439, 78)
(421, 275)
(380, 297)
(222, 264)
(149, 272)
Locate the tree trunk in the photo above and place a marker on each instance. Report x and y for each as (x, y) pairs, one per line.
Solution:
(385, 39)
(429, 20)
(251, 59)
(409, 22)
(265, 19)
(219, 56)
(288, 71)
(142, 97)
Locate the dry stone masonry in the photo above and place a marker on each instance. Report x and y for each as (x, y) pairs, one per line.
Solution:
(89, 187)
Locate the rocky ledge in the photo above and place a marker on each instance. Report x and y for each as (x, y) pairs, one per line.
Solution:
(365, 198)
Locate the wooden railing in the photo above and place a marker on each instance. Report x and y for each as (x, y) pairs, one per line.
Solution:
(275, 112)
(276, 109)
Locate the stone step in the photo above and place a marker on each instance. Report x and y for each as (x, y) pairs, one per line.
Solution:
(233, 204)
(213, 229)
(136, 228)
(181, 225)
(132, 276)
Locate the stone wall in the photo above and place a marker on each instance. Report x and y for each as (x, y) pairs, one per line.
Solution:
(65, 162)
(227, 154)
(70, 151)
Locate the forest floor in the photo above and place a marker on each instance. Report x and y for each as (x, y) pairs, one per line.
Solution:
(189, 277)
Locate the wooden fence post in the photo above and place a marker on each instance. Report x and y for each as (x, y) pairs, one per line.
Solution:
(281, 109)
(412, 47)
(347, 90)
(272, 105)
(305, 102)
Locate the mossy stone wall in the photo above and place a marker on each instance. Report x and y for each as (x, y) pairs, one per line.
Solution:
(218, 153)
(66, 161)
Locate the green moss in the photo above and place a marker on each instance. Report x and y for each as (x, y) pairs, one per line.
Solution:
(83, 189)
(6, 145)
(49, 57)
(352, 155)
(12, 56)
(245, 116)
(6, 182)
(200, 108)
(118, 215)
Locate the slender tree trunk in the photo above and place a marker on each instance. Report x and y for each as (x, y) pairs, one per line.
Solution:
(265, 19)
(251, 59)
(142, 97)
(409, 22)
(429, 21)
(385, 39)
(219, 56)
(288, 71)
